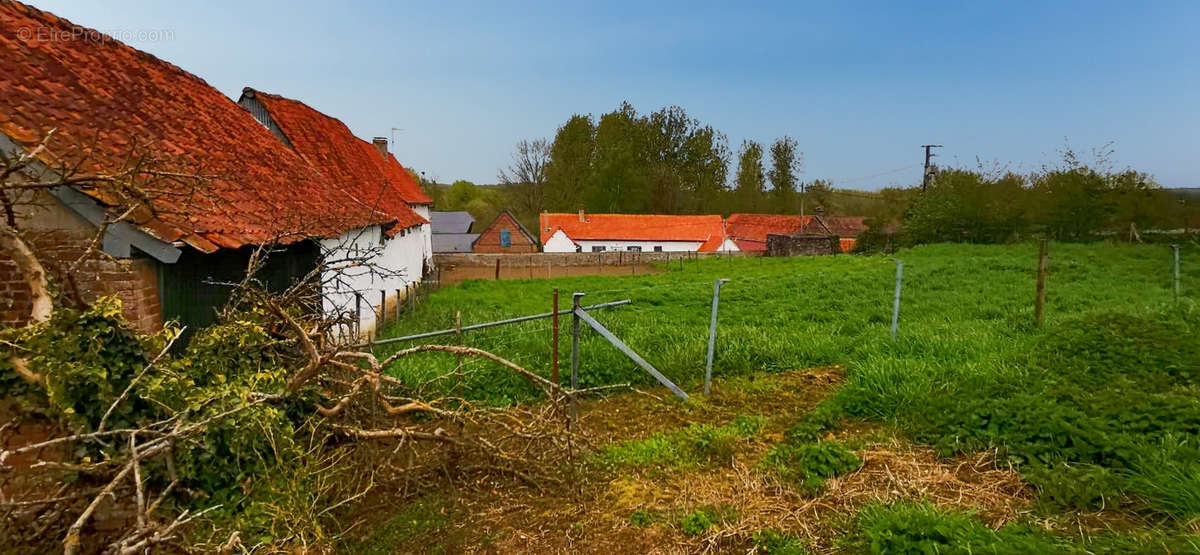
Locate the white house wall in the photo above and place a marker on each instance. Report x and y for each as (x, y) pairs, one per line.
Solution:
(647, 246)
(426, 232)
(559, 242)
(403, 255)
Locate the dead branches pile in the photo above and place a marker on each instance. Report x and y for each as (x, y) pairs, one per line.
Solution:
(256, 433)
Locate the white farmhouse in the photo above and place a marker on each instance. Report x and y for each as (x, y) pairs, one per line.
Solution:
(584, 232)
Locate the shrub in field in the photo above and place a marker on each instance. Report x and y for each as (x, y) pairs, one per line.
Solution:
(642, 517)
(696, 522)
(921, 528)
(810, 464)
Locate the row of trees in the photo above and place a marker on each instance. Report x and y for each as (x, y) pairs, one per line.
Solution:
(669, 163)
(665, 162)
(1071, 201)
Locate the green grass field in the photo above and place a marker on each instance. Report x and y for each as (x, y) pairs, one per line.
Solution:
(963, 307)
(1097, 408)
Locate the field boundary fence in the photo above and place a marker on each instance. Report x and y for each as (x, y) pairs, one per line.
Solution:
(581, 319)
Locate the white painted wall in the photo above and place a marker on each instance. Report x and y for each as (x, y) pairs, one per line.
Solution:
(729, 246)
(647, 246)
(559, 242)
(401, 253)
(426, 232)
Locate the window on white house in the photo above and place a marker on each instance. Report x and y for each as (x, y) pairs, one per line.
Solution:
(634, 249)
(598, 249)
(505, 238)
(657, 248)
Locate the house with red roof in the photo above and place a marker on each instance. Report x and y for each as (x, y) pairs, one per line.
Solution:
(366, 172)
(847, 228)
(749, 231)
(109, 103)
(585, 232)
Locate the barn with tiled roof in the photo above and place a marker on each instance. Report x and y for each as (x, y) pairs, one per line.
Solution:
(108, 104)
(749, 231)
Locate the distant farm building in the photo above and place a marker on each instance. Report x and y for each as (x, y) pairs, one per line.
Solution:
(584, 232)
(505, 235)
(846, 228)
(452, 231)
(749, 231)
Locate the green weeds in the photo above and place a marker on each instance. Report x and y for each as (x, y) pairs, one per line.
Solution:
(686, 447)
(809, 465)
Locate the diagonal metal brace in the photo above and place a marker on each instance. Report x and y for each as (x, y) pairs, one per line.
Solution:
(603, 331)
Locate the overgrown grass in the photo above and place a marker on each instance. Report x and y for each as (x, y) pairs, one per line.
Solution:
(920, 528)
(686, 447)
(1097, 407)
(964, 307)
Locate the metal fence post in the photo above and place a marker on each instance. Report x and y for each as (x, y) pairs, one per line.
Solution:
(382, 307)
(398, 301)
(896, 301)
(575, 339)
(574, 416)
(712, 335)
(459, 334)
(1176, 249)
(1039, 302)
(554, 339)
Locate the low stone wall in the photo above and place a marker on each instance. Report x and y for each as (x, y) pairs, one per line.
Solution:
(561, 259)
(802, 245)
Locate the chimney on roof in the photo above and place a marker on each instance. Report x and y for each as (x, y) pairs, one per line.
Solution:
(582, 219)
(381, 144)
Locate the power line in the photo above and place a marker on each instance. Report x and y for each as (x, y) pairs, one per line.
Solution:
(880, 174)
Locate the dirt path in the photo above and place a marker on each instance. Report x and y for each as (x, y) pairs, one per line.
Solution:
(638, 509)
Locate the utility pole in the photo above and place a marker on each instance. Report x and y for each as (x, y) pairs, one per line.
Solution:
(928, 167)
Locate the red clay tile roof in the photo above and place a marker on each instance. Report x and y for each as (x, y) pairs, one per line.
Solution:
(845, 226)
(358, 166)
(708, 230)
(755, 227)
(116, 101)
(749, 245)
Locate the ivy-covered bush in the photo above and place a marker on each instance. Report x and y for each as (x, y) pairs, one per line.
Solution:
(90, 360)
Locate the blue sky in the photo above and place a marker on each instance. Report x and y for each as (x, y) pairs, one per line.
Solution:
(860, 85)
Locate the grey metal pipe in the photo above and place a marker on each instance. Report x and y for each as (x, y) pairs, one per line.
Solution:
(603, 331)
(712, 335)
(896, 301)
(575, 310)
(485, 325)
(1176, 249)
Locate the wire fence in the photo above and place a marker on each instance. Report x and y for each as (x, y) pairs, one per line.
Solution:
(527, 339)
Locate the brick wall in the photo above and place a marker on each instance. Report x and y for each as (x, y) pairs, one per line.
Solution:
(489, 239)
(133, 280)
